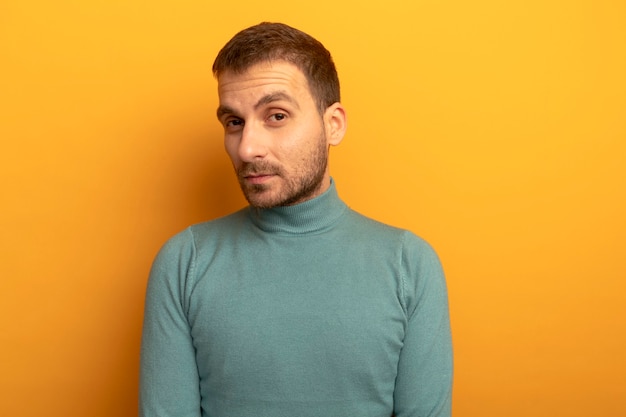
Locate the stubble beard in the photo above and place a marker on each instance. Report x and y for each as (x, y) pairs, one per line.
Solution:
(297, 187)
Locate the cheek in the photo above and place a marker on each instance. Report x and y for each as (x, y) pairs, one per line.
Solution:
(231, 150)
(302, 142)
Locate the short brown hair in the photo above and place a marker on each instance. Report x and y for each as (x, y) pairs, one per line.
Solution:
(277, 41)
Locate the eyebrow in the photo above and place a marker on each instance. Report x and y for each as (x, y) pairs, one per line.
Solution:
(276, 96)
(222, 110)
(266, 99)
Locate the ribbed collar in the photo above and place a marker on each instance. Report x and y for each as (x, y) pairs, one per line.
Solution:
(314, 215)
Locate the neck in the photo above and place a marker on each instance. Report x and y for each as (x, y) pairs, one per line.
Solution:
(315, 214)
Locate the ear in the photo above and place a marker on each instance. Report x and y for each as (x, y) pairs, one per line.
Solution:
(335, 123)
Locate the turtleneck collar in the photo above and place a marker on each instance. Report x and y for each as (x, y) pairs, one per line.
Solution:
(311, 216)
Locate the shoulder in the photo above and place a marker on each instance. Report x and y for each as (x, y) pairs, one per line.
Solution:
(184, 244)
(414, 251)
(220, 224)
(176, 261)
(377, 230)
(366, 226)
(418, 264)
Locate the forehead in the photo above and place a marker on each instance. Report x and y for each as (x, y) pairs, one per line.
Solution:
(262, 78)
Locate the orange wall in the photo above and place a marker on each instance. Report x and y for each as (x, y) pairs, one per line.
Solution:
(496, 130)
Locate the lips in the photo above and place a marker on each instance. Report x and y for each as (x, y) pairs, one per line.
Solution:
(257, 171)
(257, 178)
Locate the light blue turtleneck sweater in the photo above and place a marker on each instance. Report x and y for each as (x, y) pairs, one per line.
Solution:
(306, 310)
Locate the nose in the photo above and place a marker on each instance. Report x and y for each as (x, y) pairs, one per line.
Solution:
(253, 143)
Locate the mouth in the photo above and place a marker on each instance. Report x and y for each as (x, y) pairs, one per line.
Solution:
(258, 178)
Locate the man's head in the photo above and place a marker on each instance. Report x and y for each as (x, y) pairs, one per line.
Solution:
(278, 112)
(267, 42)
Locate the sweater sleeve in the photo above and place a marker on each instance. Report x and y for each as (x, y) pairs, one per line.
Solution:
(169, 382)
(424, 379)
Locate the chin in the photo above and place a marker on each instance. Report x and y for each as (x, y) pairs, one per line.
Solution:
(258, 200)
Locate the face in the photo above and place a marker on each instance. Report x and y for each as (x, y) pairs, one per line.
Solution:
(275, 135)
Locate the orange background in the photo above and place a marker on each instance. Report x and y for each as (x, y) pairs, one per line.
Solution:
(496, 130)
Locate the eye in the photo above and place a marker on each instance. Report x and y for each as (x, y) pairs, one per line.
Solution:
(233, 124)
(277, 117)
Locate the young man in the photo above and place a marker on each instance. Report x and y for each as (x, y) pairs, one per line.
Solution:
(295, 305)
